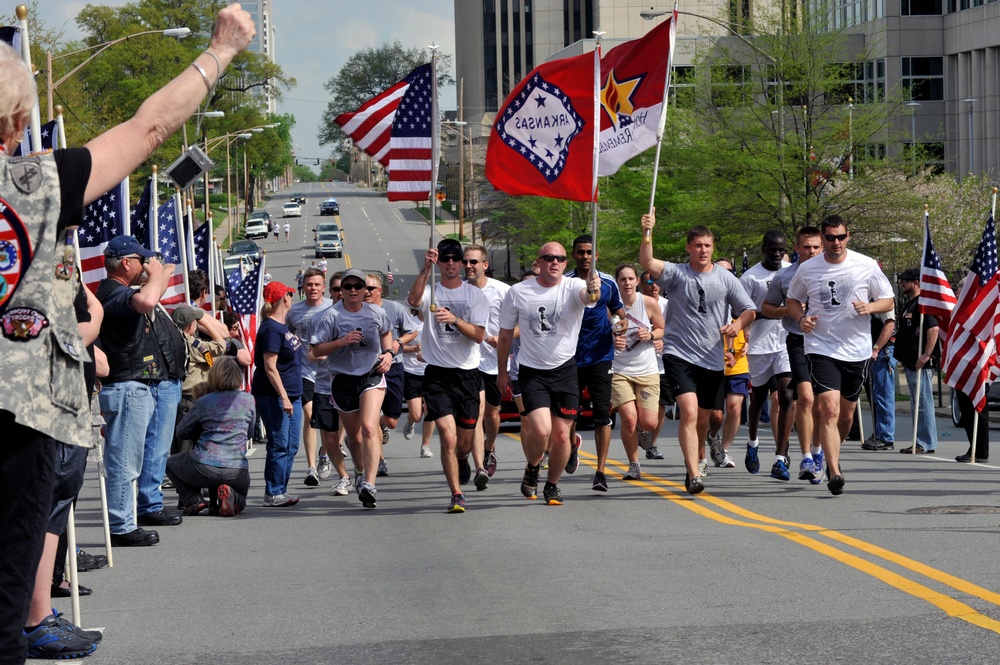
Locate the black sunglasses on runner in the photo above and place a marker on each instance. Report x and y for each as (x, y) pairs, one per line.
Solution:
(830, 237)
(558, 258)
(352, 286)
(470, 262)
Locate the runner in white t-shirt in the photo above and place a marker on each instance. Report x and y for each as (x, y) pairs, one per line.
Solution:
(648, 287)
(449, 343)
(548, 311)
(831, 297)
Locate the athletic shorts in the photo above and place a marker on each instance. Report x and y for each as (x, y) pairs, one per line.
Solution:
(413, 386)
(392, 405)
(493, 396)
(515, 388)
(797, 359)
(767, 366)
(666, 392)
(738, 384)
(347, 389)
(325, 416)
(596, 379)
(308, 389)
(829, 374)
(553, 389)
(643, 390)
(71, 463)
(452, 392)
(685, 377)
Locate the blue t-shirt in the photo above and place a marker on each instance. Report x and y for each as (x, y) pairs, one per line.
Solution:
(274, 337)
(597, 342)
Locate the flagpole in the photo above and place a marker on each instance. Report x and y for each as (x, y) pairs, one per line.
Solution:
(36, 114)
(648, 235)
(975, 418)
(154, 214)
(210, 262)
(435, 147)
(915, 399)
(60, 128)
(182, 243)
(595, 295)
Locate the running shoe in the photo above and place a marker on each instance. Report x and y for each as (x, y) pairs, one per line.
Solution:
(343, 487)
(654, 453)
(835, 484)
(51, 639)
(779, 470)
(457, 504)
(359, 477)
(728, 462)
(409, 430)
(385, 435)
(529, 484)
(645, 439)
(464, 470)
(383, 468)
(343, 451)
(715, 449)
(703, 467)
(192, 508)
(807, 469)
(92, 635)
(490, 463)
(325, 467)
(545, 461)
(694, 485)
(552, 495)
(227, 501)
(574, 454)
(600, 483)
(633, 473)
(312, 478)
(751, 461)
(482, 479)
(426, 452)
(367, 494)
(280, 500)
(818, 468)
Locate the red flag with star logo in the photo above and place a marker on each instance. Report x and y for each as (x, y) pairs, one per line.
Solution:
(543, 142)
(634, 80)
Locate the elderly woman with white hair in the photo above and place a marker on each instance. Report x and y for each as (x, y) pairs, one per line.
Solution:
(44, 397)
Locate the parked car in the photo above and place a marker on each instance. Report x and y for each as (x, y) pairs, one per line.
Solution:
(992, 402)
(329, 243)
(260, 214)
(231, 263)
(291, 210)
(329, 207)
(248, 247)
(257, 228)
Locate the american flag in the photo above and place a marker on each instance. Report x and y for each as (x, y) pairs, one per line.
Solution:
(203, 247)
(139, 220)
(746, 263)
(970, 354)
(395, 128)
(11, 36)
(102, 220)
(243, 288)
(49, 131)
(936, 297)
(169, 236)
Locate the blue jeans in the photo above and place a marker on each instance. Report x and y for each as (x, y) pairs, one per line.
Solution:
(283, 432)
(884, 395)
(127, 408)
(926, 424)
(159, 436)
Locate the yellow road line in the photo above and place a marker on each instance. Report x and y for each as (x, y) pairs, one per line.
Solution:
(347, 259)
(671, 491)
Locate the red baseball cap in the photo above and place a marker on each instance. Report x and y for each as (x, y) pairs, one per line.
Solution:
(275, 291)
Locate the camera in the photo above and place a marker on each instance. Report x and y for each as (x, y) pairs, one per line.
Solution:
(190, 166)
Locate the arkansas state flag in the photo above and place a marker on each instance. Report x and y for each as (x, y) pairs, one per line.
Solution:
(633, 82)
(543, 140)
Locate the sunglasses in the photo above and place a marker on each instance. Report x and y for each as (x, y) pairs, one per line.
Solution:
(371, 288)
(450, 259)
(353, 286)
(335, 289)
(471, 262)
(558, 258)
(650, 282)
(841, 237)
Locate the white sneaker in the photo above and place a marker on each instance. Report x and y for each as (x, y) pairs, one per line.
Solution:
(727, 462)
(325, 467)
(715, 446)
(633, 473)
(703, 467)
(343, 487)
(312, 478)
(409, 430)
(426, 452)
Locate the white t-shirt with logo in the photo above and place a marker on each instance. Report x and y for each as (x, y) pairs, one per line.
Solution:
(550, 319)
(766, 335)
(442, 344)
(494, 290)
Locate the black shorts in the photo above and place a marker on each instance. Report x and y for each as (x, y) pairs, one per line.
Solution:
(347, 389)
(452, 392)
(493, 396)
(71, 462)
(308, 389)
(797, 359)
(413, 386)
(829, 374)
(666, 392)
(684, 377)
(325, 416)
(553, 389)
(392, 405)
(597, 380)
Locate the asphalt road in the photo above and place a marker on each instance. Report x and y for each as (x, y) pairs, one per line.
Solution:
(899, 569)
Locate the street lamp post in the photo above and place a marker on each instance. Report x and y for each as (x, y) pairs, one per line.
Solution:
(970, 101)
(51, 87)
(913, 132)
(228, 139)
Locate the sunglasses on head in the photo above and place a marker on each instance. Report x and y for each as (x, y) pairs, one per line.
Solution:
(841, 237)
(471, 262)
(558, 258)
(352, 286)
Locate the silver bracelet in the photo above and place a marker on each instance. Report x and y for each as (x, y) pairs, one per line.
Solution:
(218, 65)
(204, 76)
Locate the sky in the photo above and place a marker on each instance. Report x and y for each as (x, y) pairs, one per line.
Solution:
(314, 39)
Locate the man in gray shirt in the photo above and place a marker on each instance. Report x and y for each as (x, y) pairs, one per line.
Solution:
(701, 295)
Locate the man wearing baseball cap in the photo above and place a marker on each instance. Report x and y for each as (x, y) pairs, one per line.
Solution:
(139, 397)
(918, 360)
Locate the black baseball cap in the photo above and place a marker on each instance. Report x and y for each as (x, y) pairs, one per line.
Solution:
(449, 247)
(910, 275)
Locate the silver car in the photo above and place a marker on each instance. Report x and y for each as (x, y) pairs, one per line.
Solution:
(329, 243)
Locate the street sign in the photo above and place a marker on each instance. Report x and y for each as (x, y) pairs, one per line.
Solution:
(440, 196)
